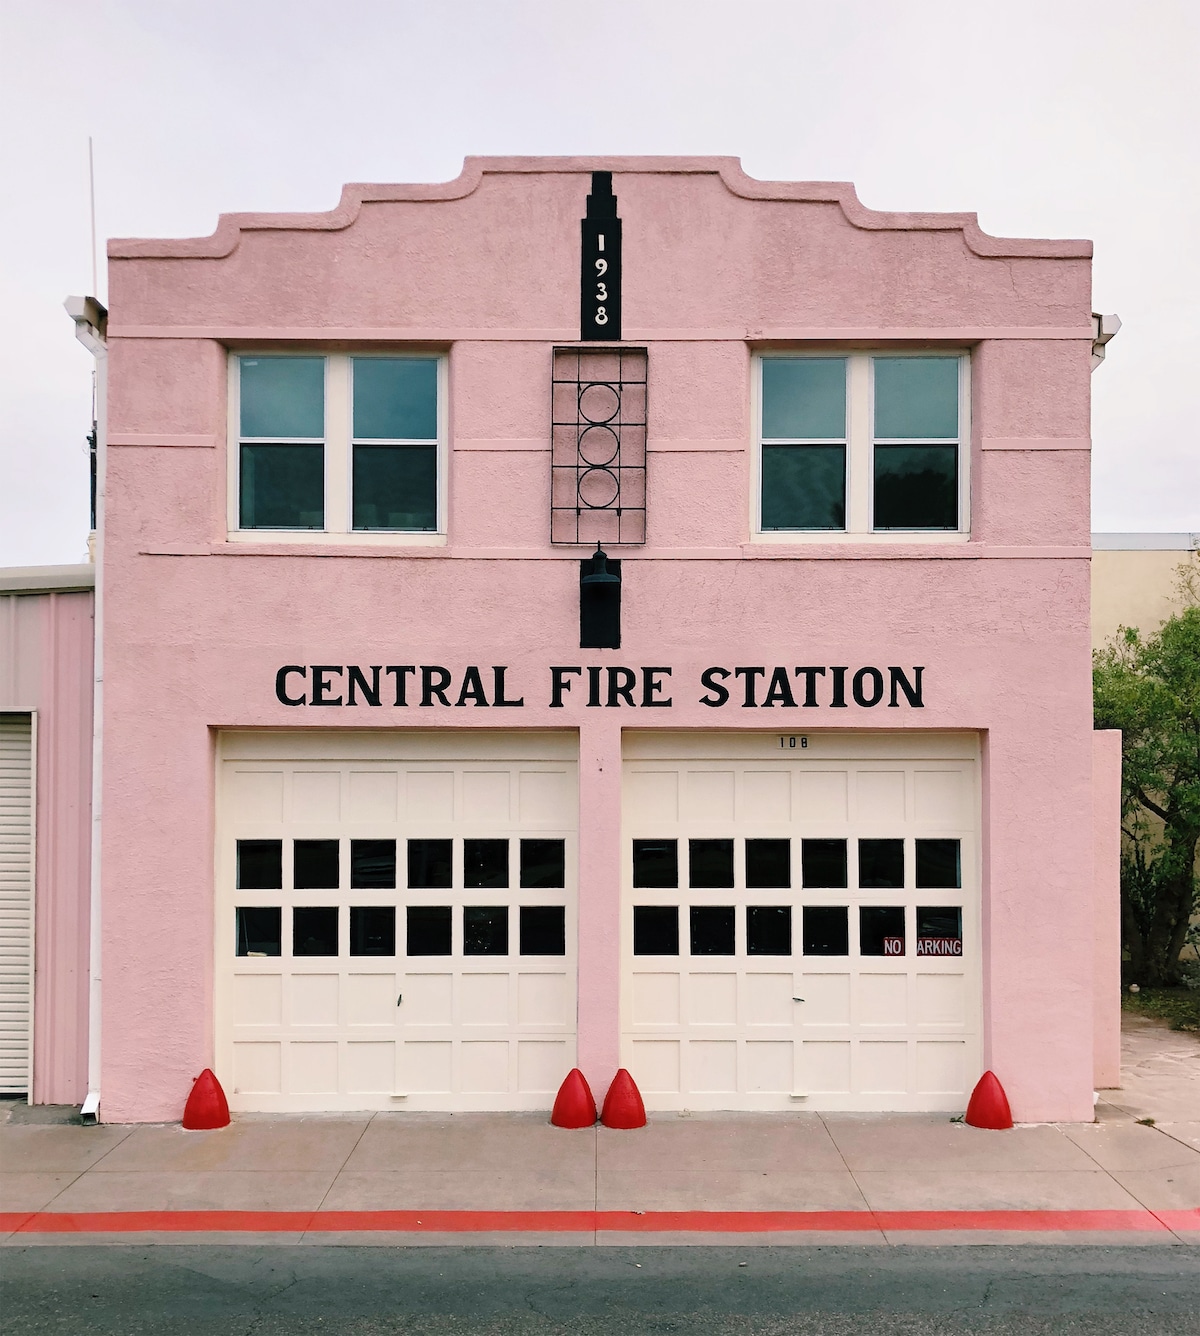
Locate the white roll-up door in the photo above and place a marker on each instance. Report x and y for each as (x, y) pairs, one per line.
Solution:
(16, 901)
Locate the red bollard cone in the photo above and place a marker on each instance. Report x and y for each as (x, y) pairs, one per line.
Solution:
(623, 1105)
(206, 1106)
(574, 1106)
(988, 1106)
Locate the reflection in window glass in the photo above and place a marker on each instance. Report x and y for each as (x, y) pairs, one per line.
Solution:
(939, 930)
(826, 930)
(315, 865)
(710, 863)
(485, 930)
(428, 930)
(283, 398)
(804, 398)
(373, 864)
(939, 864)
(656, 863)
(712, 930)
(430, 864)
(916, 398)
(769, 930)
(768, 864)
(881, 864)
(655, 930)
(916, 487)
(315, 930)
(543, 930)
(395, 487)
(372, 930)
(259, 931)
(543, 864)
(282, 487)
(823, 863)
(485, 863)
(804, 487)
(259, 865)
(395, 398)
(881, 930)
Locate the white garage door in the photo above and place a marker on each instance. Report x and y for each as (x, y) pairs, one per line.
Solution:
(16, 901)
(800, 920)
(395, 920)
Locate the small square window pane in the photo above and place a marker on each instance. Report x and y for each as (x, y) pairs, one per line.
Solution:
(939, 864)
(916, 398)
(656, 863)
(939, 930)
(881, 930)
(485, 930)
(804, 398)
(373, 864)
(826, 930)
(395, 398)
(259, 931)
(543, 863)
(655, 930)
(429, 929)
(430, 864)
(315, 930)
(769, 930)
(259, 865)
(804, 487)
(823, 863)
(282, 487)
(916, 487)
(395, 487)
(543, 930)
(710, 863)
(372, 930)
(283, 397)
(315, 865)
(485, 863)
(768, 864)
(712, 930)
(881, 864)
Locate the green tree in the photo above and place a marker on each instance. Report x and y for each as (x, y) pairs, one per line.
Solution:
(1149, 688)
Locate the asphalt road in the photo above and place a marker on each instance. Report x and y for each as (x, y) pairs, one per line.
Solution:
(260, 1291)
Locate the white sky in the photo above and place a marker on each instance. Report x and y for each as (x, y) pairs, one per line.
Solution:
(1049, 118)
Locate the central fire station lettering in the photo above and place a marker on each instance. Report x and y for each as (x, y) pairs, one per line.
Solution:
(597, 686)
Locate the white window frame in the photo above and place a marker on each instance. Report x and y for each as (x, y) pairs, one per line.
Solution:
(338, 447)
(860, 450)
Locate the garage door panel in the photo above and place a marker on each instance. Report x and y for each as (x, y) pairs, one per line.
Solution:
(656, 998)
(370, 999)
(373, 796)
(883, 1000)
(543, 1002)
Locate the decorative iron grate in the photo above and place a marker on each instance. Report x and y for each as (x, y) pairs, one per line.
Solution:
(598, 446)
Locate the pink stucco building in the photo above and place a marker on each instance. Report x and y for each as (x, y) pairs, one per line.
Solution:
(411, 802)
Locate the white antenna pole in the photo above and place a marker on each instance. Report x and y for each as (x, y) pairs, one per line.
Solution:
(92, 202)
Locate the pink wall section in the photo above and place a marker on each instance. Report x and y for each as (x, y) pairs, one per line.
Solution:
(1106, 797)
(46, 665)
(716, 266)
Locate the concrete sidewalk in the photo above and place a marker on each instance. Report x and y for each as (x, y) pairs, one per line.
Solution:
(512, 1178)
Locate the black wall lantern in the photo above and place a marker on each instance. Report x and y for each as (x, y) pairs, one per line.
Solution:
(599, 602)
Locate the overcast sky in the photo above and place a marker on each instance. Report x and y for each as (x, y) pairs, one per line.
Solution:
(1049, 118)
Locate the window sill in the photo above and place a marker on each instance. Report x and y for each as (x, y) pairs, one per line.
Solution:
(323, 539)
(841, 538)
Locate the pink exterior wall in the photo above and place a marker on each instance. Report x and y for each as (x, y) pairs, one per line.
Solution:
(716, 266)
(1106, 799)
(46, 665)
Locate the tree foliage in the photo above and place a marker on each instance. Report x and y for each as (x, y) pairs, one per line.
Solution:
(1149, 688)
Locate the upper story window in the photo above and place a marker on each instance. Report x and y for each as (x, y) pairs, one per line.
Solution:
(862, 444)
(337, 443)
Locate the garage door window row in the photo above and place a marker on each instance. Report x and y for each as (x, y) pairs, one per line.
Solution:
(825, 930)
(430, 864)
(429, 930)
(824, 864)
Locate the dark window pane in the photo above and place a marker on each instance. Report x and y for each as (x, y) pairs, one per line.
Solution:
(259, 931)
(804, 487)
(804, 398)
(881, 864)
(485, 863)
(430, 864)
(916, 398)
(712, 930)
(768, 864)
(769, 930)
(655, 930)
(826, 930)
(283, 397)
(315, 865)
(259, 865)
(485, 930)
(881, 930)
(543, 863)
(395, 398)
(823, 862)
(916, 487)
(372, 930)
(428, 930)
(938, 864)
(939, 930)
(656, 863)
(372, 864)
(315, 931)
(282, 487)
(543, 930)
(710, 863)
(395, 486)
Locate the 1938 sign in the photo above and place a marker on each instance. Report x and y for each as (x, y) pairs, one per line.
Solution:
(600, 271)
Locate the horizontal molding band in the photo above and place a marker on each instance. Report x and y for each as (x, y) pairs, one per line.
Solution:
(1035, 443)
(159, 440)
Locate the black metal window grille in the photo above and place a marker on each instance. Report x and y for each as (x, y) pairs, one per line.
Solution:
(598, 446)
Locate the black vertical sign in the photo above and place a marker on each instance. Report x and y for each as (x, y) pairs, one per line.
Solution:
(600, 272)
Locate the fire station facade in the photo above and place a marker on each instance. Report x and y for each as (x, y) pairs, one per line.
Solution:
(600, 613)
